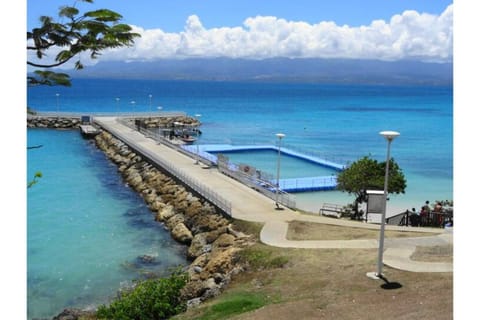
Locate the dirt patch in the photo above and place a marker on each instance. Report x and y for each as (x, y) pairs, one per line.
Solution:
(433, 254)
(301, 230)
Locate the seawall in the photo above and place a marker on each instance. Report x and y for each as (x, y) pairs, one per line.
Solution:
(212, 242)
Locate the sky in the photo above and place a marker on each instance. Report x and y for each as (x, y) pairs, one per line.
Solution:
(252, 29)
(170, 16)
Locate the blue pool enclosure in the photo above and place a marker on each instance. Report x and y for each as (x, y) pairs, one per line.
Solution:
(299, 172)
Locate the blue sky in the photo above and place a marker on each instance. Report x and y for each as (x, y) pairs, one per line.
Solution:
(252, 29)
(170, 16)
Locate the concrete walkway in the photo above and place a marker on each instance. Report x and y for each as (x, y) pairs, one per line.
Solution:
(248, 204)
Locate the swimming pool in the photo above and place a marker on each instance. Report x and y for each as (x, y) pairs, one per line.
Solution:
(298, 172)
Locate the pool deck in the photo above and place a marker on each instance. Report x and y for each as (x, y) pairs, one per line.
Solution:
(301, 184)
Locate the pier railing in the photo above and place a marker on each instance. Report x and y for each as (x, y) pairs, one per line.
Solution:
(263, 186)
(198, 187)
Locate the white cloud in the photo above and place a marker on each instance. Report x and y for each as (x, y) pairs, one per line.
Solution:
(410, 35)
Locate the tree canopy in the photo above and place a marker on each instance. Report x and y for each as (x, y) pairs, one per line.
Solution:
(369, 174)
(92, 31)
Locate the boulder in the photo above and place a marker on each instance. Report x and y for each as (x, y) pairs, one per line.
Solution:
(223, 241)
(174, 220)
(181, 233)
(165, 213)
(221, 261)
(206, 222)
(197, 246)
(73, 314)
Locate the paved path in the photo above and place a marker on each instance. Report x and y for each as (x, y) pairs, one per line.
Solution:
(250, 205)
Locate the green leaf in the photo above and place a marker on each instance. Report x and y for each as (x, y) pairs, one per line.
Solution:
(68, 12)
(63, 55)
(104, 15)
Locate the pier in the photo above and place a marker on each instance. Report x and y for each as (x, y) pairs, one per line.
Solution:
(230, 195)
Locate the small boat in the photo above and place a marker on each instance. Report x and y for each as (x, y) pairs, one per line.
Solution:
(187, 139)
(88, 131)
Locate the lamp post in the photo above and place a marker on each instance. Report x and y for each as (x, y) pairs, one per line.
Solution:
(198, 154)
(150, 106)
(58, 104)
(279, 136)
(117, 99)
(133, 108)
(389, 135)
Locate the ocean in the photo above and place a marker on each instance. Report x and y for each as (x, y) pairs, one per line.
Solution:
(340, 123)
(86, 230)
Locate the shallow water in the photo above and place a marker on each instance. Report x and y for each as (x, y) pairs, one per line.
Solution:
(85, 228)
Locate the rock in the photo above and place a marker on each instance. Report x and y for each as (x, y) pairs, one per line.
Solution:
(157, 204)
(221, 261)
(192, 303)
(73, 314)
(193, 289)
(182, 234)
(173, 221)
(146, 259)
(223, 241)
(206, 222)
(213, 235)
(197, 246)
(165, 213)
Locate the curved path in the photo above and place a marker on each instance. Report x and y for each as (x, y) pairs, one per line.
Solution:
(249, 205)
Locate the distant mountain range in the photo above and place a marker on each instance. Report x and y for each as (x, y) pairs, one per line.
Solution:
(277, 69)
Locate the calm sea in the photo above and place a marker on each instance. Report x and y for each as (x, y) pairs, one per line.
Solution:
(338, 122)
(86, 230)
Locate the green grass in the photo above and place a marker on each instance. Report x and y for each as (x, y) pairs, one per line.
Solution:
(262, 257)
(234, 304)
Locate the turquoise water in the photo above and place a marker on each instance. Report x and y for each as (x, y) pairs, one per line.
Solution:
(336, 122)
(85, 228)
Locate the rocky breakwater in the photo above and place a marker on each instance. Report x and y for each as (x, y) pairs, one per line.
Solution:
(168, 122)
(53, 122)
(213, 244)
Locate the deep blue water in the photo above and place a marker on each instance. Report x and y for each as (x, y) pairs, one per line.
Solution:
(337, 122)
(85, 228)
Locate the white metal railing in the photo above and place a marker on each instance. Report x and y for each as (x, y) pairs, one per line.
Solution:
(261, 185)
(200, 188)
(308, 183)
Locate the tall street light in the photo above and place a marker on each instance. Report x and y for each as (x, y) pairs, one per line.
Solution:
(279, 136)
(117, 99)
(389, 135)
(133, 108)
(150, 106)
(198, 154)
(58, 105)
